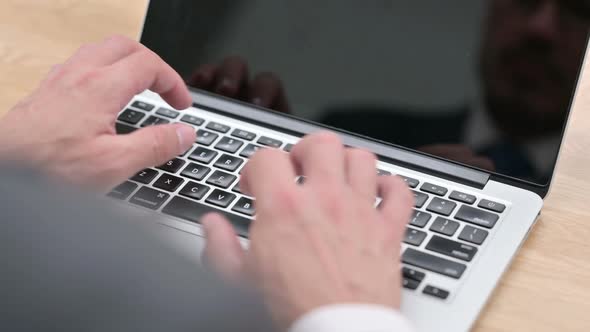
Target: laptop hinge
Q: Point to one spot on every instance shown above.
(297, 127)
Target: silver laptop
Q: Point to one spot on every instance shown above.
(468, 102)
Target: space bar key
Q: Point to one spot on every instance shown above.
(193, 211)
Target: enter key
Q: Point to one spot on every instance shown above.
(452, 248)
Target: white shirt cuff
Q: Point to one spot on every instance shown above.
(352, 318)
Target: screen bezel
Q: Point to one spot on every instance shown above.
(540, 189)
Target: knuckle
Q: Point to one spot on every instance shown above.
(89, 78)
(147, 59)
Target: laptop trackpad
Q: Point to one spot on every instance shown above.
(187, 244)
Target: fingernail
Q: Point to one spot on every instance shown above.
(186, 137)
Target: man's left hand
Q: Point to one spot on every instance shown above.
(67, 126)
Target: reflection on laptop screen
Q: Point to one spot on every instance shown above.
(483, 83)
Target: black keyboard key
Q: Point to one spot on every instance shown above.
(473, 235)
(381, 172)
(462, 197)
(477, 216)
(420, 219)
(168, 182)
(444, 226)
(143, 106)
(250, 150)
(221, 198)
(221, 179)
(193, 211)
(194, 190)
(420, 199)
(288, 147)
(149, 198)
(267, 141)
(436, 292)
(414, 237)
(492, 206)
(412, 183)
(154, 121)
(173, 165)
(191, 119)
(131, 116)
(168, 113)
(229, 163)
(433, 263)
(218, 127)
(441, 206)
(203, 155)
(146, 176)
(228, 144)
(245, 206)
(248, 136)
(451, 248)
(122, 129)
(410, 283)
(195, 171)
(206, 137)
(413, 274)
(434, 189)
(123, 190)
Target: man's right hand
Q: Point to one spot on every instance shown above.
(320, 243)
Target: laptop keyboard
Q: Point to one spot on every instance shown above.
(446, 231)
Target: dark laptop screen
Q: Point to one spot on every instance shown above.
(483, 83)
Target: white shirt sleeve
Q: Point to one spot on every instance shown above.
(352, 318)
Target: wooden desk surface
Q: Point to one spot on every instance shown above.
(546, 289)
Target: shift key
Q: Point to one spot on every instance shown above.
(451, 248)
(477, 216)
(433, 263)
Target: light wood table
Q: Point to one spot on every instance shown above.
(546, 289)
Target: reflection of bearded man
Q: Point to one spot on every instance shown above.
(530, 59)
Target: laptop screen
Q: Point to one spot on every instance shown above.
(482, 83)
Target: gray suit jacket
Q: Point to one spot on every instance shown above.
(70, 263)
